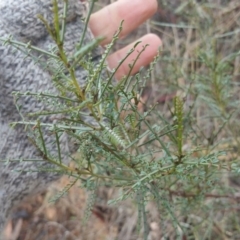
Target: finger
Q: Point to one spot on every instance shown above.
(145, 58)
(106, 21)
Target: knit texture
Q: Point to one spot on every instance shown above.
(18, 18)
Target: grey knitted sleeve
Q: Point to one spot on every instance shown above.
(18, 73)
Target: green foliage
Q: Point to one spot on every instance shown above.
(170, 157)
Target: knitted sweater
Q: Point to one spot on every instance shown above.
(18, 18)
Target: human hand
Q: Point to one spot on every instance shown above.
(22, 74)
(106, 22)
